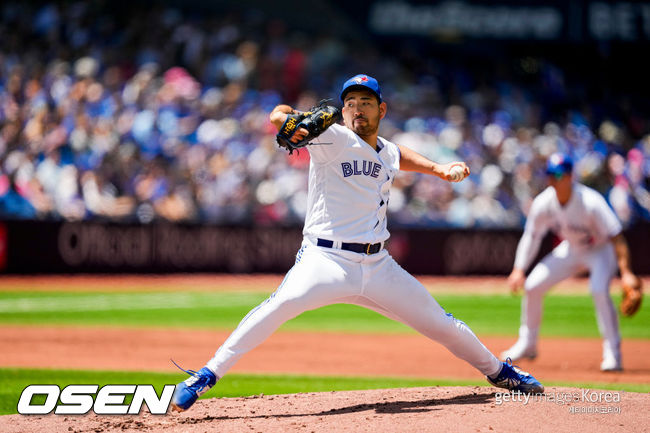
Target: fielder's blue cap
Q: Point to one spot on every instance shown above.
(559, 164)
(361, 81)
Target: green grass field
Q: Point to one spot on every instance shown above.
(565, 315)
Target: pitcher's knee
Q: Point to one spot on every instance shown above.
(290, 306)
(298, 303)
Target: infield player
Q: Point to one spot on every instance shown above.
(592, 241)
(342, 258)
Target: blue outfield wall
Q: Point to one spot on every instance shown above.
(28, 247)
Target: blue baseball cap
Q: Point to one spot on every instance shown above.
(559, 164)
(364, 81)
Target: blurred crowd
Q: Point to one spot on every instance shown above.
(159, 115)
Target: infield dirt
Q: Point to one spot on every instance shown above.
(403, 355)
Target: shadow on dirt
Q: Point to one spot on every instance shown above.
(393, 407)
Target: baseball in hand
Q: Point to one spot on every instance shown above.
(456, 174)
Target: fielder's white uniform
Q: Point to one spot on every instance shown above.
(349, 184)
(586, 224)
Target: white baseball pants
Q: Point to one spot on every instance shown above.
(560, 264)
(324, 276)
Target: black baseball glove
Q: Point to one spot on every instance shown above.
(316, 121)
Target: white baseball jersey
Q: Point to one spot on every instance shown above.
(349, 184)
(586, 222)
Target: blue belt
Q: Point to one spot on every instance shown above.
(357, 248)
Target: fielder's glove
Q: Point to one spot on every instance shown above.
(316, 121)
(632, 296)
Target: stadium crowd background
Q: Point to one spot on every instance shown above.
(156, 114)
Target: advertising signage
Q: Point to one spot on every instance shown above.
(578, 21)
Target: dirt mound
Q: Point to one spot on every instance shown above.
(458, 409)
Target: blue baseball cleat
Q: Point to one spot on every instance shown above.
(188, 391)
(515, 379)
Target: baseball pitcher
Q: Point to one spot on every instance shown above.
(342, 258)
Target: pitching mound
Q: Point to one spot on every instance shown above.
(458, 409)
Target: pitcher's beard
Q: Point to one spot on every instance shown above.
(364, 130)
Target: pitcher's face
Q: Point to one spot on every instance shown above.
(362, 112)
